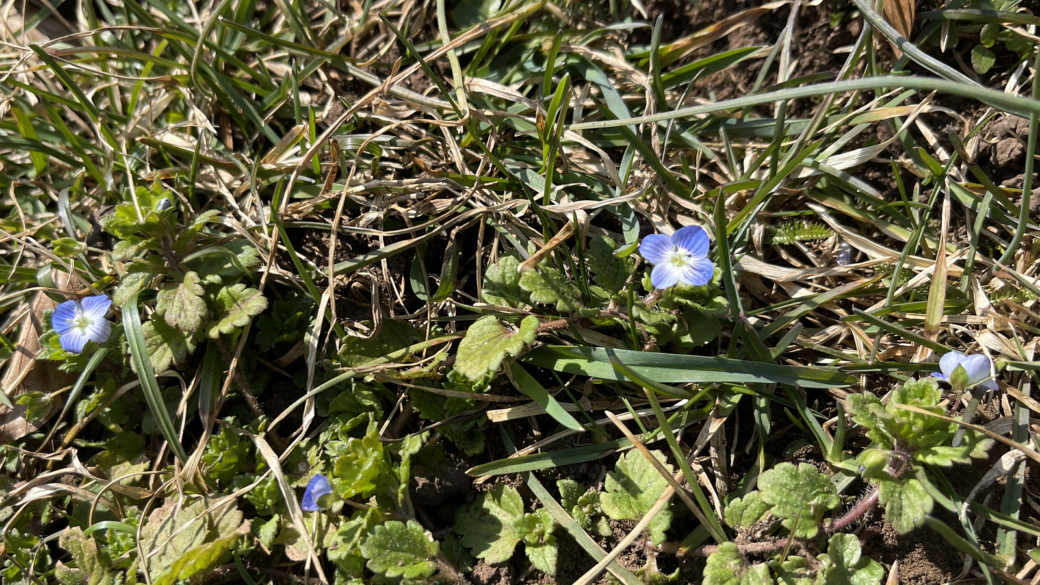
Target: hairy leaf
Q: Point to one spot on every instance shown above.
(798, 495)
(486, 525)
(845, 565)
(610, 271)
(906, 503)
(633, 488)
(166, 345)
(487, 343)
(233, 306)
(396, 549)
(181, 305)
(743, 512)
(502, 283)
(359, 468)
(726, 566)
(549, 286)
(92, 568)
(177, 534)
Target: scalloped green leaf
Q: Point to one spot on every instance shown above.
(502, 283)
(91, 568)
(487, 343)
(743, 512)
(486, 525)
(726, 566)
(610, 272)
(175, 533)
(396, 549)
(549, 286)
(166, 345)
(906, 503)
(233, 307)
(633, 488)
(844, 564)
(181, 305)
(798, 495)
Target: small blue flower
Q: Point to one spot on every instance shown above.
(974, 371)
(319, 486)
(77, 322)
(164, 204)
(682, 257)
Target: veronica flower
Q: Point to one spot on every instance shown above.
(965, 371)
(681, 257)
(319, 486)
(78, 322)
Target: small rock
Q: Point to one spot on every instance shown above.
(1008, 152)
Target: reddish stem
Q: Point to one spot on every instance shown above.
(854, 514)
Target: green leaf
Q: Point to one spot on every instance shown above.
(583, 505)
(536, 530)
(67, 247)
(677, 369)
(726, 566)
(131, 283)
(502, 283)
(906, 503)
(91, 567)
(225, 264)
(487, 343)
(548, 286)
(743, 512)
(268, 531)
(181, 304)
(201, 559)
(187, 540)
(610, 271)
(633, 488)
(845, 565)
(799, 495)
(37, 405)
(166, 345)
(233, 307)
(358, 470)
(396, 549)
(486, 525)
(982, 59)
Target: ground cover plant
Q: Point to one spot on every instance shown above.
(514, 291)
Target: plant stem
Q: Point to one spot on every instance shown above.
(854, 514)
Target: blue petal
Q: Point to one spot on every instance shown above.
(655, 248)
(940, 376)
(949, 362)
(990, 385)
(319, 486)
(99, 330)
(73, 340)
(665, 276)
(693, 239)
(698, 272)
(96, 307)
(63, 317)
(978, 368)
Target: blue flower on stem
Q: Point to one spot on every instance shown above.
(78, 322)
(681, 257)
(966, 371)
(319, 486)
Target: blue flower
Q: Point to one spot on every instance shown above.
(78, 322)
(683, 257)
(319, 486)
(965, 371)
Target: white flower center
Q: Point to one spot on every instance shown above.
(679, 257)
(81, 321)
